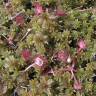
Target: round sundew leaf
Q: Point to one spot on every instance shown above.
(39, 61)
(26, 54)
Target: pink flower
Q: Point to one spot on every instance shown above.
(60, 12)
(26, 55)
(81, 44)
(38, 8)
(62, 55)
(40, 60)
(77, 85)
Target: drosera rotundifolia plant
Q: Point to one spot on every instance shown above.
(47, 48)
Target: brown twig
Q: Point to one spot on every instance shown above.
(88, 9)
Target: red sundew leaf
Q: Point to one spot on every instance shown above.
(77, 85)
(38, 8)
(19, 20)
(40, 60)
(62, 55)
(81, 44)
(26, 54)
(60, 13)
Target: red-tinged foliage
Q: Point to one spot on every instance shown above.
(81, 45)
(20, 20)
(26, 54)
(38, 8)
(62, 55)
(60, 12)
(40, 60)
(77, 85)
